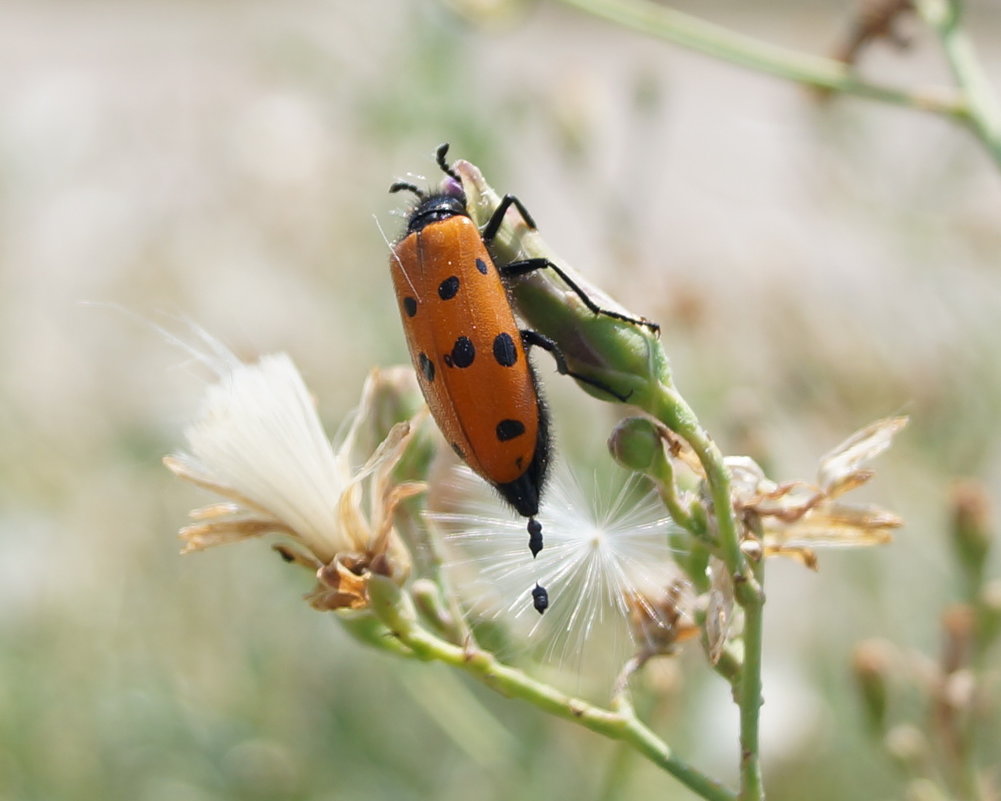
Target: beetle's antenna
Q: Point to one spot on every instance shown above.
(400, 186)
(440, 158)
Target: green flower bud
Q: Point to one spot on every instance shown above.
(871, 665)
(636, 444)
(971, 529)
(959, 623)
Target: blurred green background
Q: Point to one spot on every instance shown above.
(814, 267)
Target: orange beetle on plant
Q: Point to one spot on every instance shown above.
(469, 352)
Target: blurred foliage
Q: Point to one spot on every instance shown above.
(814, 268)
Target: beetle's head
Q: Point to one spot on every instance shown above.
(448, 201)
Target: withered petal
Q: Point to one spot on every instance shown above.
(719, 611)
(200, 536)
(805, 556)
(861, 447)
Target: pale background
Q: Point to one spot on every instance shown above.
(814, 268)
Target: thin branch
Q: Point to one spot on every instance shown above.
(749, 690)
(674, 412)
(746, 51)
(983, 109)
(396, 612)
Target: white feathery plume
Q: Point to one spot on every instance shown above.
(601, 549)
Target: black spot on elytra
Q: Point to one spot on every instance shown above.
(427, 367)
(448, 288)
(410, 306)
(509, 429)
(463, 352)
(458, 451)
(481, 266)
(504, 350)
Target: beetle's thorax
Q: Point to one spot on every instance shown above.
(436, 208)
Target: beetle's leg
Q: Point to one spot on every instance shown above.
(494, 223)
(529, 338)
(526, 266)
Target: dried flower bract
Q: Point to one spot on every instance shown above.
(794, 517)
(258, 442)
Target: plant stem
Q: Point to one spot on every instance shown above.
(713, 40)
(664, 478)
(672, 410)
(749, 688)
(617, 348)
(393, 608)
(983, 109)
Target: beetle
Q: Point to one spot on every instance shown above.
(470, 356)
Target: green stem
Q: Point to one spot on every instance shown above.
(461, 631)
(672, 410)
(730, 660)
(983, 109)
(713, 40)
(391, 606)
(616, 354)
(663, 474)
(749, 688)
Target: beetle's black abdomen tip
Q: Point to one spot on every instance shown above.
(534, 536)
(522, 494)
(540, 598)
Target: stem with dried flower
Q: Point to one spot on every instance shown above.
(668, 406)
(672, 409)
(976, 105)
(396, 611)
(629, 357)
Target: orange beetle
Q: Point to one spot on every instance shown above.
(469, 353)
